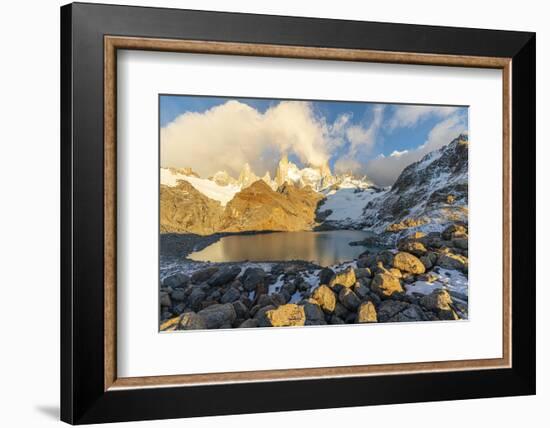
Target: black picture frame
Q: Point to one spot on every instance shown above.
(83, 398)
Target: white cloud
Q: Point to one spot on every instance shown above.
(398, 153)
(384, 170)
(361, 140)
(346, 165)
(229, 135)
(365, 139)
(407, 116)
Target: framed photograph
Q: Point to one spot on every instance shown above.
(277, 213)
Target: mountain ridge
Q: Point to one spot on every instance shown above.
(426, 195)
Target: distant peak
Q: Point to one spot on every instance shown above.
(284, 159)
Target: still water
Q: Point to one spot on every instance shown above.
(323, 248)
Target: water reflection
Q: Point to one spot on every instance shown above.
(323, 248)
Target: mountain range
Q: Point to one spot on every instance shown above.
(427, 194)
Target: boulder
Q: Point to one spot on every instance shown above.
(301, 285)
(249, 323)
(240, 309)
(450, 260)
(349, 299)
(375, 298)
(361, 273)
(340, 311)
(361, 291)
(284, 297)
(286, 316)
(203, 275)
(336, 320)
(414, 247)
(416, 235)
(179, 295)
(365, 281)
(265, 300)
(366, 313)
(345, 278)
(411, 313)
(461, 243)
(385, 285)
(170, 325)
(191, 321)
(386, 258)
(454, 231)
(166, 315)
(429, 259)
(195, 298)
(252, 278)
(231, 295)
(448, 315)
(179, 308)
(314, 314)
(389, 308)
(325, 275)
(216, 316)
(165, 299)
(175, 280)
(205, 303)
(395, 272)
(408, 263)
(437, 300)
(325, 298)
(432, 240)
(279, 299)
(289, 287)
(260, 315)
(223, 276)
(366, 261)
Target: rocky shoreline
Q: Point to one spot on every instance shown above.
(423, 278)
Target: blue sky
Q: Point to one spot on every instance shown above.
(375, 139)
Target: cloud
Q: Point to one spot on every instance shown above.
(346, 165)
(407, 116)
(229, 135)
(384, 170)
(361, 141)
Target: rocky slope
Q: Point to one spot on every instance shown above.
(427, 195)
(183, 209)
(258, 207)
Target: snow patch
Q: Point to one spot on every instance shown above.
(276, 286)
(208, 188)
(347, 203)
(422, 287)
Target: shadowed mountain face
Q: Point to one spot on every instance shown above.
(432, 189)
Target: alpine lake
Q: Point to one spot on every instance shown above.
(324, 248)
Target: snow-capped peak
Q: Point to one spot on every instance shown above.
(223, 178)
(317, 177)
(246, 177)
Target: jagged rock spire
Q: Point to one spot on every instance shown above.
(247, 176)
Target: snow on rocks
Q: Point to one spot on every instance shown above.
(209, 188)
